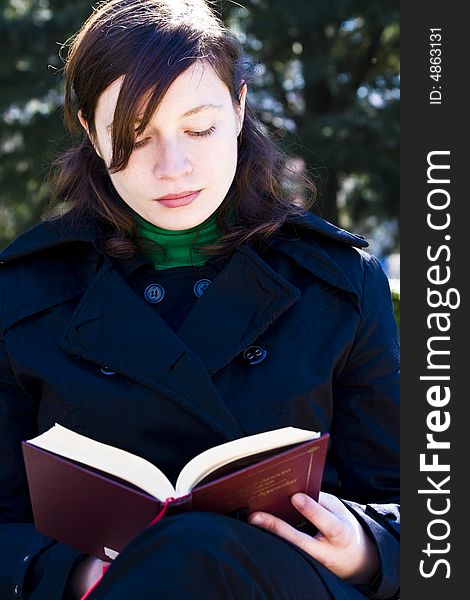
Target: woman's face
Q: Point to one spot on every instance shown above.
(190, 145)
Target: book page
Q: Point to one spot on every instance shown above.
(205, 463)
(112, 460)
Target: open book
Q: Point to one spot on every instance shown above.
(96, 497)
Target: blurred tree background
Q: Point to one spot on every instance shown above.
(326, 85)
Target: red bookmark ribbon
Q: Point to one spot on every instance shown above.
(161, 514)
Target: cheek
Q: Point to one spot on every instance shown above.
(125, 183)
(138, 170)
(220, 157)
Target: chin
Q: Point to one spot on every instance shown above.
(179, 224)
(182, 222)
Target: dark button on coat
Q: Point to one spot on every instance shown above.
(79, 347)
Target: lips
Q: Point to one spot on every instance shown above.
(181, 199)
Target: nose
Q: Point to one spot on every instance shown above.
(171, 162)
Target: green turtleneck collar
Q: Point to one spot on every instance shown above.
(181, 247)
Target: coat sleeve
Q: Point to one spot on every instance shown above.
(365, 428)
(33, 567)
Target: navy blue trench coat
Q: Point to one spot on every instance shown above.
(311, 299)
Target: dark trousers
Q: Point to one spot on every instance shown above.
(210, 557)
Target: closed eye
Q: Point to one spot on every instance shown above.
(202, 133)
(141, 143)
(205, 133)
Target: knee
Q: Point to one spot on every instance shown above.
(199, 531)
(202, 542)
(184, 554)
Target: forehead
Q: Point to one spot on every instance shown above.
(199, 84)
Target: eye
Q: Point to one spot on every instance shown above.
(202, 133)
(141, 143)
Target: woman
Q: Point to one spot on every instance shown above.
(181, 297)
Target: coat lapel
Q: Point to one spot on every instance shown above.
(315, 259)
(234, 311)
(113, 327)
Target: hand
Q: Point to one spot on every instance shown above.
(86, 574)
(341, 543)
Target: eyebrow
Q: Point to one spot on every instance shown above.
(200, 108)
(191, 111)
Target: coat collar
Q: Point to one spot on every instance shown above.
(64, 230)
(52, 234)
(313, 244)
(306, 239)
(317, 225)
(230, 316)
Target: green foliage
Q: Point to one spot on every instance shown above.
(327, 87)
(332, 68)
(31, 129)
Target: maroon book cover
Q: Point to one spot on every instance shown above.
(99, 514)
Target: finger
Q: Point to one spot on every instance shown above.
(335, 506)
(332, 503)
(316, 548)
(282, 529)
(331, 526)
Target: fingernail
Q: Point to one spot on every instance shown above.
(299, 500)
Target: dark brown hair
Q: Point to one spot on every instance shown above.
(152, 42)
